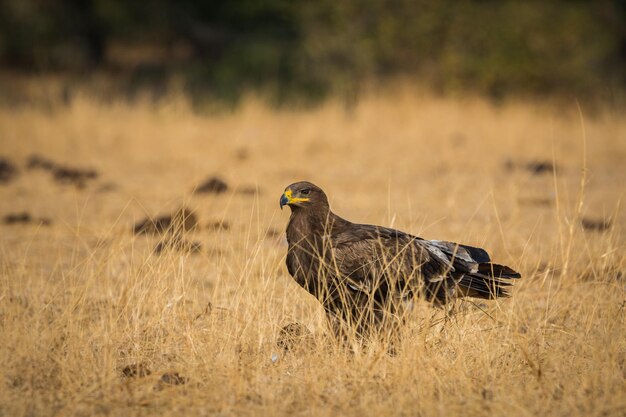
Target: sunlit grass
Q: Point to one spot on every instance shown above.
(83, 299)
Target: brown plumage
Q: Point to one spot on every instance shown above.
(365, 274)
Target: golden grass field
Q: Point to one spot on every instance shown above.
(84, 301)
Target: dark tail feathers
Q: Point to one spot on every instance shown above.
(491, 281)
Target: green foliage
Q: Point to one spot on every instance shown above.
(293, 48)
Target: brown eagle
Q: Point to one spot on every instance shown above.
(366, 275)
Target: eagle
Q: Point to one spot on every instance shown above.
(367, 276)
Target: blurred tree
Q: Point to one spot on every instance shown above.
(294, 48)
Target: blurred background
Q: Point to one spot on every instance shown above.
(144, 147)
(302, 51)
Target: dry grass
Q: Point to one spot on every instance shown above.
(87, 308)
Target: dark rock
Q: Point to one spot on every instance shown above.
(540, 167)
(39, 162)
(537, 167)
(173, 378)
(18, 218)
(25, 218)
(8, 171)
(293, 336)
(214, 185)
(74, 176)
(183, 220)
(135, 370)
(597, 225)
(62, 174)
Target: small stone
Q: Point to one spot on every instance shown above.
(540, 167)
(135, 370)
(213, 185)
(39, 162)
(178, 223)
(597, 225)
(293, 336)
(74, 176)
(8, 171)
(173, 378)
(18, 218)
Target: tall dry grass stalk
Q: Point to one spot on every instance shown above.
(87, 308)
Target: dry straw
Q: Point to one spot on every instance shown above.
(93, 321)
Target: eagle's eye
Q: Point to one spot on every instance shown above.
(306, 191)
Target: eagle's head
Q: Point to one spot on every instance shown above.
(303, 194)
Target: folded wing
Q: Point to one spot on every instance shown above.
(376, 260)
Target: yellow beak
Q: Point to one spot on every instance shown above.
(287, 198)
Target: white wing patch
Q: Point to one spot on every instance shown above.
(456, 251)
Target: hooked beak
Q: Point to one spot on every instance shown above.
(288, 198)
(283, 201)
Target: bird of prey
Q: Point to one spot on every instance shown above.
(365, 275)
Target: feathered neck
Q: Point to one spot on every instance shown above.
(308, 222)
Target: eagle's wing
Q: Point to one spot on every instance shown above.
(369, 258)
(472, 273)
